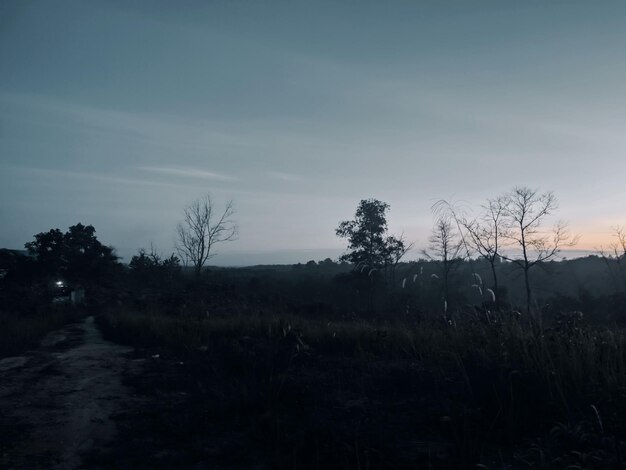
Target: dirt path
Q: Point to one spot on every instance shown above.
(57, 402)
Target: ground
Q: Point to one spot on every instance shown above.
(264, 401)
(57, 402)
(80, 401)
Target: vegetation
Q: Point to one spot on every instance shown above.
(202, 228)
(21, 332)
(526, 210)
(35, 286)
(369, 362)
(369, 245)
(76, 255)
(445, 247)
(477, 390)
(487, 233)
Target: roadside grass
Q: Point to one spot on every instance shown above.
(571, 360)
(473, 386)
(20, 332)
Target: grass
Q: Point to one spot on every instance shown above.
(20, 332)
(473, 387)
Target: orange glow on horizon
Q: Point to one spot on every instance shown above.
(593, 237)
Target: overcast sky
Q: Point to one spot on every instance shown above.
(118, 113)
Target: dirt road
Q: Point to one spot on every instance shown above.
(57, 402)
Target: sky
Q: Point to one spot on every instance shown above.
(119, 113)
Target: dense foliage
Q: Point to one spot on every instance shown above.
(76, 255)
(368, 241)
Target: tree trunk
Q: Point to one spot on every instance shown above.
(495, 286)
(528, 290)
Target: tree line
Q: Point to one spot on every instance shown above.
(513, 227)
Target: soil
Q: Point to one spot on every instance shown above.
(57, 402)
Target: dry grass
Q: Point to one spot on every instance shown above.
(21, 332)
(500, 380)
(569, 361)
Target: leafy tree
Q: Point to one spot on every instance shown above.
(17, 273)
(76, 255)
(149, 268)
(50, 252)
(368, 242)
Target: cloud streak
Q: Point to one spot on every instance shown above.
(105, 178)
(187, 172)
(279, 175)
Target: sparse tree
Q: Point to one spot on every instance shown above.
(397, 247)
(487, 234)
(445, 247)
(615, 254)
(526, 211)
(202, 228)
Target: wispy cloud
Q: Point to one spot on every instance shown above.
(157, 129)
(188, 173)
(87, 176)
(279, 175)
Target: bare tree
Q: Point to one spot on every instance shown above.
(445, 247)
(487, 234)
(526, 211)
(396, 248)
(202, 228)
(615, 254)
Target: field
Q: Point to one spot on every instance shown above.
(324, 366)
(295, 392)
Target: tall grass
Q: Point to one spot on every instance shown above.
(569, 363)
(501, 379)
(19, 332)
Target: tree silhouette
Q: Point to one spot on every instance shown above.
(487, 234)
(445, 247)
(77, 255)
(526, 211)
(49, 249)
(615, 254)
(368, 241)
(202, 228)
(150, 268)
